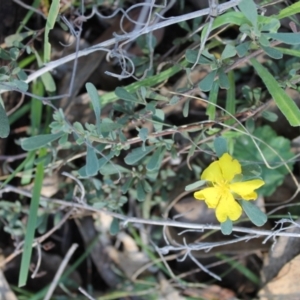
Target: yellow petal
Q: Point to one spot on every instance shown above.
(211, 195)
(229, 167)
(246, 189)
(213, 173)
(228, 208)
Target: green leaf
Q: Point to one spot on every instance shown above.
(39, 141)
(271, 26)
(245, 150)
(51, 18)
(126, 186)
(146, 186)
(14, 84)
(92, 164)
(195, 185)
(149, 81)
(14, 53)
(4, 55)
(31, 224)
(110, 169)
(17, 37)
(47, 78)
(137, 154)
(264, 41)
(251, 171)
(4, 123)
(243, 48)
(140, 193)
(108, 126)
(272, 52)
(287, 38)
(256, 216)
(223, 80)
(236, 18)
(114, 227)
(156, 159)
(292, 52)
(220, 145)
(283, 101)
(213, 97)
(207, 82)
(143, 134)
(196, 139)
(248, 8)
(155, 96)
(124, 95)
(93, 93)
(192, 55)
(289, 11)
(158, 118)
(229, 51)
(270, 116)
(231, 98)
(186, 107)
(226, 227)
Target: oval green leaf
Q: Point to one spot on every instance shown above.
(39, 141)
(92, 164)
(256, 216)
(4, 124)
(137, 154)
(226, 227)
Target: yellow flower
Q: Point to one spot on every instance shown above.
(221, 191)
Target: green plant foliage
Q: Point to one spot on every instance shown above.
(207, 82)
(32, 220)
(256, 216)
(195, 185)
(158, 132)
(137, 154)
(37, 142)
(140, 192)
(93, 94)
(270, 116)
(156, 159)
(114, 226)
(4, 124)
(248, 8)
(92, 164)
(226, 227)
(272, 52)
(289, 11)
(287, 38)
(220, 145)
(251, 171)
(246, 151)
(229, 51)
(125, 95)
(53, 13)
(283, 101)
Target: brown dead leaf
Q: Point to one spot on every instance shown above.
(211, 292)
(130, 259)
(168, 292)
(284, 251)
(285, 285)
